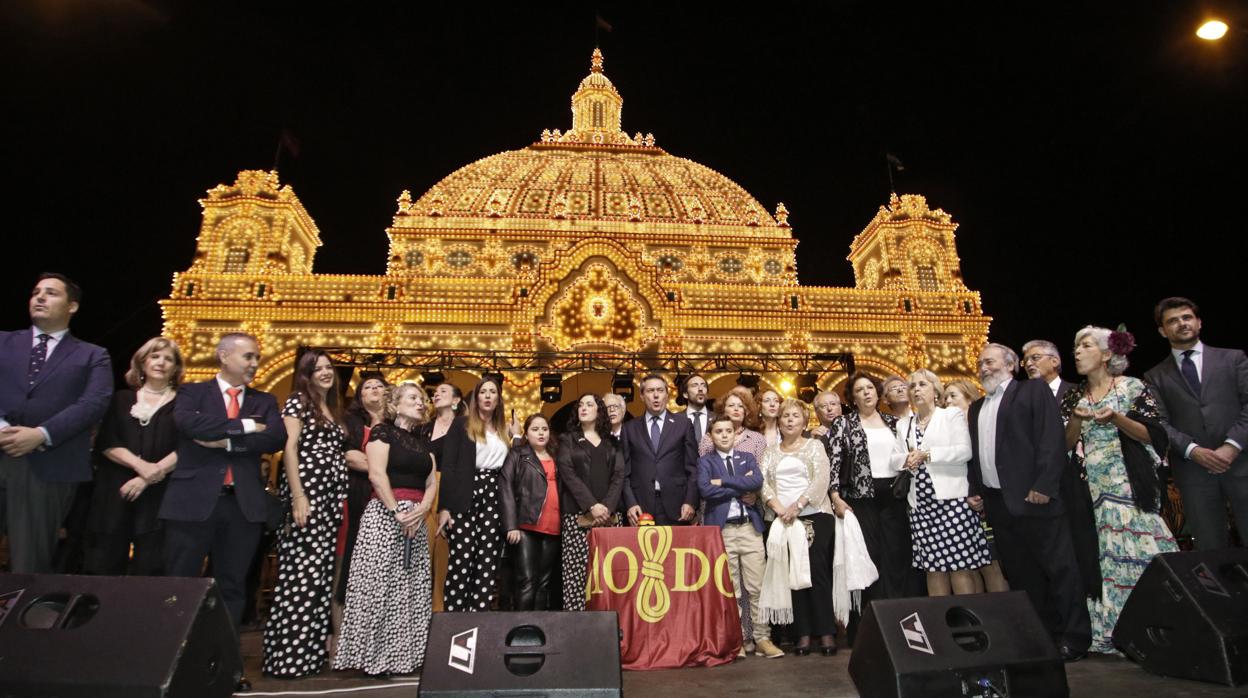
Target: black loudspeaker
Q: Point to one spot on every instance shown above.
(128, 637)
(1188, 616)
(970, 645)
(523, 653)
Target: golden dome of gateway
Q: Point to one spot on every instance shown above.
(594, 171)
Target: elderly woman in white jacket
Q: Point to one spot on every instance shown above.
(934, 443)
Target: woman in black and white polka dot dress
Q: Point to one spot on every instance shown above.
(389, 593)
(470, 516)
(314, 483)
(934, 443)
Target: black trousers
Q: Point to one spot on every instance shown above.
(886, 531)
(359, 491)
(812, 608)
(228, 538)
(1038, 557)
(534, 559)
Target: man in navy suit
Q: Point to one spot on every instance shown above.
(725, 477)
(214, 503)
(1019, 453)
(53, 390)
(662, 458)
(1203, 393)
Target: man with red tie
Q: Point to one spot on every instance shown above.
(214, 504)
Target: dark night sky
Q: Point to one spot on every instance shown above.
(1091, 156)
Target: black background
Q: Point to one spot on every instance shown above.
(1092, 155)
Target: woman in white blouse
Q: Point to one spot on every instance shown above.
(795, 489)
(934, 444)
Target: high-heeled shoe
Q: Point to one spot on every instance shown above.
(802, 650)
(827, 646)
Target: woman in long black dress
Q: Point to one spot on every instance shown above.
(389, 595)
(315, 483)
(138, 443)
(469, 514)
(591, 479)
(448, 403)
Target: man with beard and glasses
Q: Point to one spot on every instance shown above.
(1019, 455)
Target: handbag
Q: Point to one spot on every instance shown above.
(901, 484)
(276, 511)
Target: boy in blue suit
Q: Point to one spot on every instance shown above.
(724, 477)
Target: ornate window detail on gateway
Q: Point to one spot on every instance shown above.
(236, 260)
(927, 278)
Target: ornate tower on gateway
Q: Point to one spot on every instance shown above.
(587, 240)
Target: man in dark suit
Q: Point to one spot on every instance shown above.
(662, 458)
(1018, 457)
(694, 392)
(53, 391)
(214, 503)
(1043, 362)
(1203, 394)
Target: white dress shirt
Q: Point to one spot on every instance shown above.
(249, 425)
(734, 507)
(55, 339)
(988, 435)
(1198, 358)
(1055, 385)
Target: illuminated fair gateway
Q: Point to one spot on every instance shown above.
(587, 242)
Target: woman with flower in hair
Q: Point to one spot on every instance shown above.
(1114, 427)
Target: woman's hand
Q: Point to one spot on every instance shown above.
(600, 513)
(914, 459)
(790, 513)
(445, 521)
(976, 503)
(300, 509)
(839, 507)
(1082, 411)
(133, 488)
(513, 537)
(1104, 415)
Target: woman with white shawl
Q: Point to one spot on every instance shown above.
(797, 584)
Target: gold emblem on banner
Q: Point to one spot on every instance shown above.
(654, 598)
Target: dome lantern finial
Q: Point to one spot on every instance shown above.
(595, 61)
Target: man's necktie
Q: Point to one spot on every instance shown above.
(231, 411)
(1189, 371)
(728, 466)
(697, 425)
(654, 432)
(38, 356)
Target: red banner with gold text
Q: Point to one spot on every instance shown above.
(671, 588)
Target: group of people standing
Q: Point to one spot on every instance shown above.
(1038, 484)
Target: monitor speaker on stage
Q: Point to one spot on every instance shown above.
(523, 653)
(969, 645)
(1188, 617)
(106, 637)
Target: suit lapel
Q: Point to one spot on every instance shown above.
(20, 345)
(1171, 370)
(668, 432)
(1208, 369)
(64, 348)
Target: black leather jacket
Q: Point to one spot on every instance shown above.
(522, 488)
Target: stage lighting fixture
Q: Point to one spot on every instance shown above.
(807, 386)
(1212, 30)
(749, 380)
(494, 376)
(552, 387)
(622, 385)
(432, 379)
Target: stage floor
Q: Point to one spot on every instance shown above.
(789, 676)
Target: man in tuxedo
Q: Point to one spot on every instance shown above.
(1019, 453)
(662, 461)
(1043, 362)
(214, 503)
(697, 413)
(54, 390)
(1203, 394)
